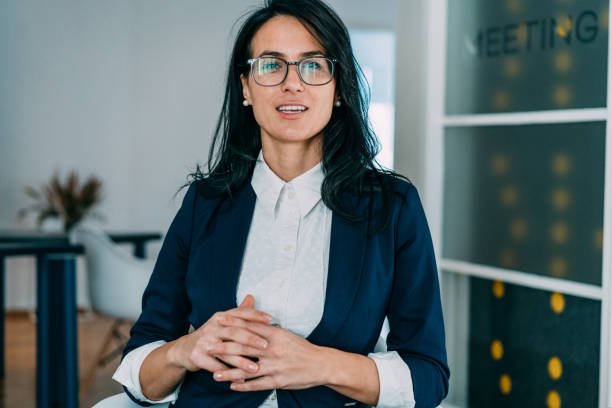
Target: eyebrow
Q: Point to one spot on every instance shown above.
(280, 54)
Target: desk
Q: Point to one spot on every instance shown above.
(56, 333)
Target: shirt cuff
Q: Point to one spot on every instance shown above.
(395, 381)
(128, 373)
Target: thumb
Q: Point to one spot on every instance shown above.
(248, 302)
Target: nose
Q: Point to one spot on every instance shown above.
(292, 82)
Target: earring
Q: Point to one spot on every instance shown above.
(245, 103)
(338, 104)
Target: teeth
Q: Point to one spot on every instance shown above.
(292, 108)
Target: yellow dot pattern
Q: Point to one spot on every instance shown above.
(564, 26)
(555, 368)
(559, 232)
(507, 258)
(508, 196)
(505, 384)
(557, 267)
(562, 95)
(557, 302)
(561, 164)
(598, 239)
(518, 229)
(497, 350)
(499, 164)
(511, 67)
(563, 61)
(498, 289)
(553, 400)
(500, 99)
(560, 199)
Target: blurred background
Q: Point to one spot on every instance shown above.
(496, 110)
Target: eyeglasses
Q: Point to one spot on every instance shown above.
(272, 71)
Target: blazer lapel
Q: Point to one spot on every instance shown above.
(346, 257)
(228, 246)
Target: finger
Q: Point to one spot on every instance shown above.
(233, 374)
(265, 382)
(248, 302)
(239, 362)
(262, 329)
(243, 336)
(232, 348)
(247, 314)
(208, 363)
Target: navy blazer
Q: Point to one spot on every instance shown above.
(371, 275)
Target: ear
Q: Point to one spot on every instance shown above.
(245, 88)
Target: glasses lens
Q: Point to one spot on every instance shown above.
(316, 70)
(269, 71)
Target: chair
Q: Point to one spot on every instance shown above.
(116, 283)
(122, 401)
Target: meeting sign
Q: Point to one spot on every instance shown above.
(516, 55)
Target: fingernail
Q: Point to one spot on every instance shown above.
(218, 375)
(252, 367)
(262, 344)
(268, 317)
(210, 347)
(232, 386)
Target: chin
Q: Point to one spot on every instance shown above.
(294, 135)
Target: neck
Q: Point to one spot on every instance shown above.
(289, 160)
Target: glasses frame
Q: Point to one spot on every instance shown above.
(297, 64)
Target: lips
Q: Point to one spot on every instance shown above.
(292, 108)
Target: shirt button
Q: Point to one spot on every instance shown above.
(273, 396)
(291, 194)
(288, 248)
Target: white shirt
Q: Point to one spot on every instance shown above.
(285, 268)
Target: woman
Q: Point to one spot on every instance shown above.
(294, 222)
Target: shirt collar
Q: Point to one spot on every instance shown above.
(268, 186)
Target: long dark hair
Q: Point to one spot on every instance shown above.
(349, 144)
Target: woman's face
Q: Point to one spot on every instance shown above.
(286, 37)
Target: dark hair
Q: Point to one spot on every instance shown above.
(349, 144)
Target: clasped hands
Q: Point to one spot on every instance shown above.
(284, 360)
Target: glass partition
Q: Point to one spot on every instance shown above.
(518, 55)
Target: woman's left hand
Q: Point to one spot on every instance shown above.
(288, 362)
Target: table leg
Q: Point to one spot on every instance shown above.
(43, 334)
(2, 317)
(139, 249)
(58, 372)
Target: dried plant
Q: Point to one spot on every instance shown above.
(69, 201)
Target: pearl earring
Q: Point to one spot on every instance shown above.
(338, 104)
(245, 103)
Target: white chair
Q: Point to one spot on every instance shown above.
(122, 401)
(116, 283)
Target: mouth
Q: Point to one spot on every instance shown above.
(292, 109)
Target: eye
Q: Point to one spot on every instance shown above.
(311, 66)
(269, 66)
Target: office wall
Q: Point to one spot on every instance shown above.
(126, 90)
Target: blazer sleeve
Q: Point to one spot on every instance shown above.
(415, 311)
(165, 306)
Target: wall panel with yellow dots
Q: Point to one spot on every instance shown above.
(527, 198)
(518, 146)
(531, 348)
(520, 55)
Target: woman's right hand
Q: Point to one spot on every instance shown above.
(191, 351)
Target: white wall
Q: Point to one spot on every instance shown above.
(121, 89)
(410, 84)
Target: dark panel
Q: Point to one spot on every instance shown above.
(519, 55)
(550, 346)
(527, 198)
